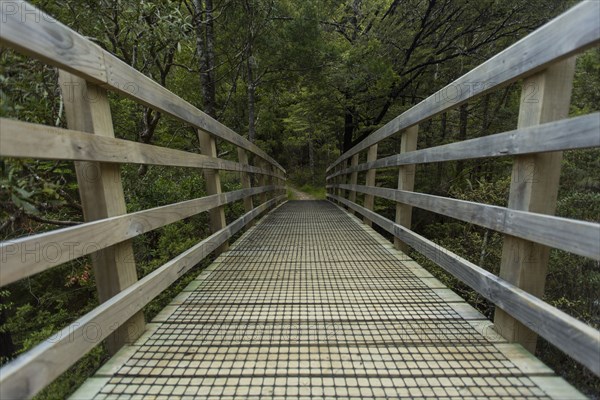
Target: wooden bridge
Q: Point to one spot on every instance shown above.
(310, 301)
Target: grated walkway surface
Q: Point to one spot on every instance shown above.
(310, 303)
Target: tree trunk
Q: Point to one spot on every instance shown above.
(251, 96)
(205, 48)
(349, 126)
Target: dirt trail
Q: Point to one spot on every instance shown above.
(298, 195)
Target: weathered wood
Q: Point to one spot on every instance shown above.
(32, 371)
(370, 181)
(262, 181)
(578, 340)
(568, 134)
(353, 178)
(570, 33)
(208, 147)
(50, 41)
(534, 188)
(245, 179)
(62, 245)
(27, 140)
(578, 237)
(101, 193)
(406, 182)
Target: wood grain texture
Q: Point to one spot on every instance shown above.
(534, 187)
(406, 182)
(568, 134)
(52, 42)
(32, 371)
(208, 146)
(26, 140)
(370, 181)
(62, 245)
(578, 340)
(101, 195)
(570, 33)
(246, 179)
(353, 178)
(578, 237)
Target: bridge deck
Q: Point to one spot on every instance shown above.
(312, 303)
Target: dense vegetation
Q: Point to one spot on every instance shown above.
(305, 80)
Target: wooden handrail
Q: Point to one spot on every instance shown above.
(577, 237)
(32, 371)
(527, 222)
(568, 134)
(26, 140)
(570, 33)
(572, 336)
(76, 241)
(54, 43)
(90, 143)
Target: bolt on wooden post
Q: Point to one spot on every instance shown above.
(87, 109)
(208, 147)
(545, 97)
(406, 181)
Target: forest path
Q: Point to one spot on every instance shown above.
(299, 195)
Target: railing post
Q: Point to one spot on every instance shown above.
(246, 182)
(101, 190)
(208, 147)
(340, 180)
(353, 180)
(370, 181)
(545, 97)
(406, 181)
(262, 181)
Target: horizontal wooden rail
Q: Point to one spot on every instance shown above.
(569, 134)
(32, 371)
(570, 33)
(578, 237)
(50, 41)
(26, 140)
(33, 254)
(570, 335)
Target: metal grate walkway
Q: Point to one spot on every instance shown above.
(311, 303)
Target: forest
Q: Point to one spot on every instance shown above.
(304, 80)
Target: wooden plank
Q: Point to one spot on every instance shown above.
(576, 339)
(208, 147)
(245, 179)
(59, 246)
(534, 188)
(370, 181)
(406, 182)
(32, 371)
(353, 178)
(568, 134)
(578, 237)
(50, 41)
(262, 181)
(558, 388)
(102, 197)
(570, 33)
(26, 140)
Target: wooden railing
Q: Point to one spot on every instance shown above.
(86, 73)
(545, 60)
